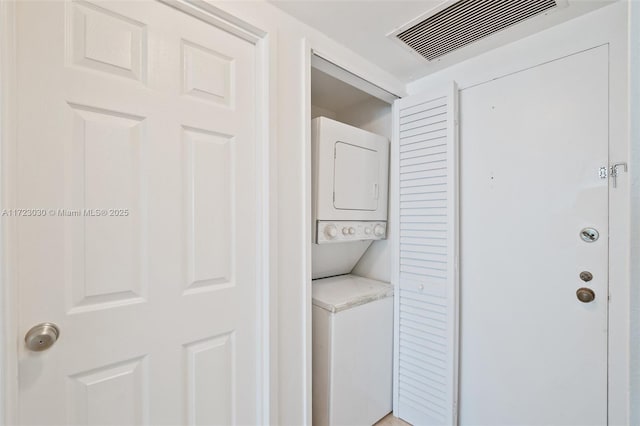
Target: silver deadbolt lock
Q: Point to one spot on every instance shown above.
(589, 235)
(42, 336)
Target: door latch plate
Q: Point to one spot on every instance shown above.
(603, 172)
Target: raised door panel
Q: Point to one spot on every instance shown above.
(105, 207)
(207, 74)
(210, 381)
(115, 394)
(105, 41)
(209, 187)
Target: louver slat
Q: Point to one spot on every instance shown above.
(467, 21)
(425, 376)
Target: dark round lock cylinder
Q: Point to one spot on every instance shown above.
(586, 276)
(585, 295)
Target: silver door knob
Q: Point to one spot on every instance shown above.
(585, 295)
(42, 336)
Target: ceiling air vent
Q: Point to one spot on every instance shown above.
(466, 21)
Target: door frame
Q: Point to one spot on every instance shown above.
(265, 218)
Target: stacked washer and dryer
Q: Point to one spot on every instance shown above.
(352, 315)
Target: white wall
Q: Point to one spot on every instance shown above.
(634, 174)
(289, 42)
(372, 115)
(604, 26)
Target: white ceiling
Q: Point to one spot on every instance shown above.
(363, 27)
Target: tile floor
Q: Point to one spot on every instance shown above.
(389, 420)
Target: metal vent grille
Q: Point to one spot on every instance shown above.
(467, 21)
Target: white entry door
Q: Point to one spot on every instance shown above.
(137, 140)
(531, 147)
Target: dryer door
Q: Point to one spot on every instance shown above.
(355, 182)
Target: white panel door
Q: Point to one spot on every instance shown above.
(532, 144)
(426, 314)
(136, 137)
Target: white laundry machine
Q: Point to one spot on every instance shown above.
(352, 316)
(350, 192)
(352, 350)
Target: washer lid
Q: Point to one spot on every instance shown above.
(336, 294)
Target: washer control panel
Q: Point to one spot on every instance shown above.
(340, 231)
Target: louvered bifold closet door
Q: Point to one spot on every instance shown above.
(426, 254)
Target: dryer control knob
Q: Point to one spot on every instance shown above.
(378, 230)
(331, 231)
(345, 230)
(352, 230)
(367, 230)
